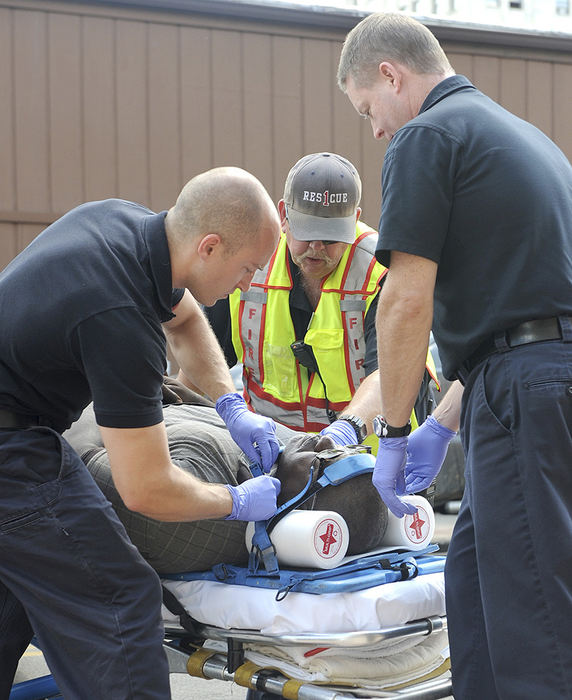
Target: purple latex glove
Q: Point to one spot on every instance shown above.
(426, 450)
(253, 433)
(254, 499)
(389, 475)
(341, 432)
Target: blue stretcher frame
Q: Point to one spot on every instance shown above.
(35, 689)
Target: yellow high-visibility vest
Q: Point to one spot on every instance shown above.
(275, 384)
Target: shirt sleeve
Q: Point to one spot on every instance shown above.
(176, 296)
(123, 354)
(418, 181)
(370, 363)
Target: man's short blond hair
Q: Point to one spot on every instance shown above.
(228, 201)
(389, 37)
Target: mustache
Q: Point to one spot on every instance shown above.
(316, 256)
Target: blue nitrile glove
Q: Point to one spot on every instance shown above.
(426, 450)
(253, 433)
(341, 432)
(389, 475)
(254, 499)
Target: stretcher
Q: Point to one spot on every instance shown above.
(373, 627)
(404, 658)
(385, 641)
(388, 640)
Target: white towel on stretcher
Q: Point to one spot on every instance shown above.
(382, 666)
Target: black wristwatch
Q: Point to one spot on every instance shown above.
(358, 424)
(383, 430)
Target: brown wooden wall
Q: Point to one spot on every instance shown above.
(102, 101)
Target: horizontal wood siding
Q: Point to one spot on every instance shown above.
(101, 101)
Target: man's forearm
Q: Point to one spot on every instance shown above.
(180, 497)
(403, 322)
(366, 403)
(200, 357)
(149, 483)
(448, 411)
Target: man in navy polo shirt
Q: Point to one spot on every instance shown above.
(86, 310)
(476, 228)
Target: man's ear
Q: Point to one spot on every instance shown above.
(389, 73)
(208, 245)
(282, 213)
(358, 214)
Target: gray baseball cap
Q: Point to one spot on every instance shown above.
(322, 193)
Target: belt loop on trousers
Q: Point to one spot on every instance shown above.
(501, 342)
(462, 374)
(566, 328)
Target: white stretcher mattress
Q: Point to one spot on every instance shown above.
(231, 606)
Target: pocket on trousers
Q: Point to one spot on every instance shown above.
(499, 408)
(20, 521)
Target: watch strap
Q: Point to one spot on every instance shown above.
(358, 424)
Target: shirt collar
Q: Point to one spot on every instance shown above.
(159, 262)
(444, 89)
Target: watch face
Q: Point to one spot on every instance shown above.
(378, 426)
(383, 430)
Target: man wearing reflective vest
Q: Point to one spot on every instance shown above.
(305, 331)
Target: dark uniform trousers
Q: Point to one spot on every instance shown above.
(508, 576)
(70, 576)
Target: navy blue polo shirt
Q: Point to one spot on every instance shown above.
(488, 197)
(81, 311)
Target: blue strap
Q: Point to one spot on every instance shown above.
(365, 573)
(262, 549)
(346, 468)
(261, 546)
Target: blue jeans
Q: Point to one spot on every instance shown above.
(69, 573)
(508, 576)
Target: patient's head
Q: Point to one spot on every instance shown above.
(356, 500)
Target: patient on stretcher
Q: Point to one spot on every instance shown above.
(200, 443)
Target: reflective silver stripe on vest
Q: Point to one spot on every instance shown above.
(293, 418)
(353, 307)
(251, 320)
(258, 296)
